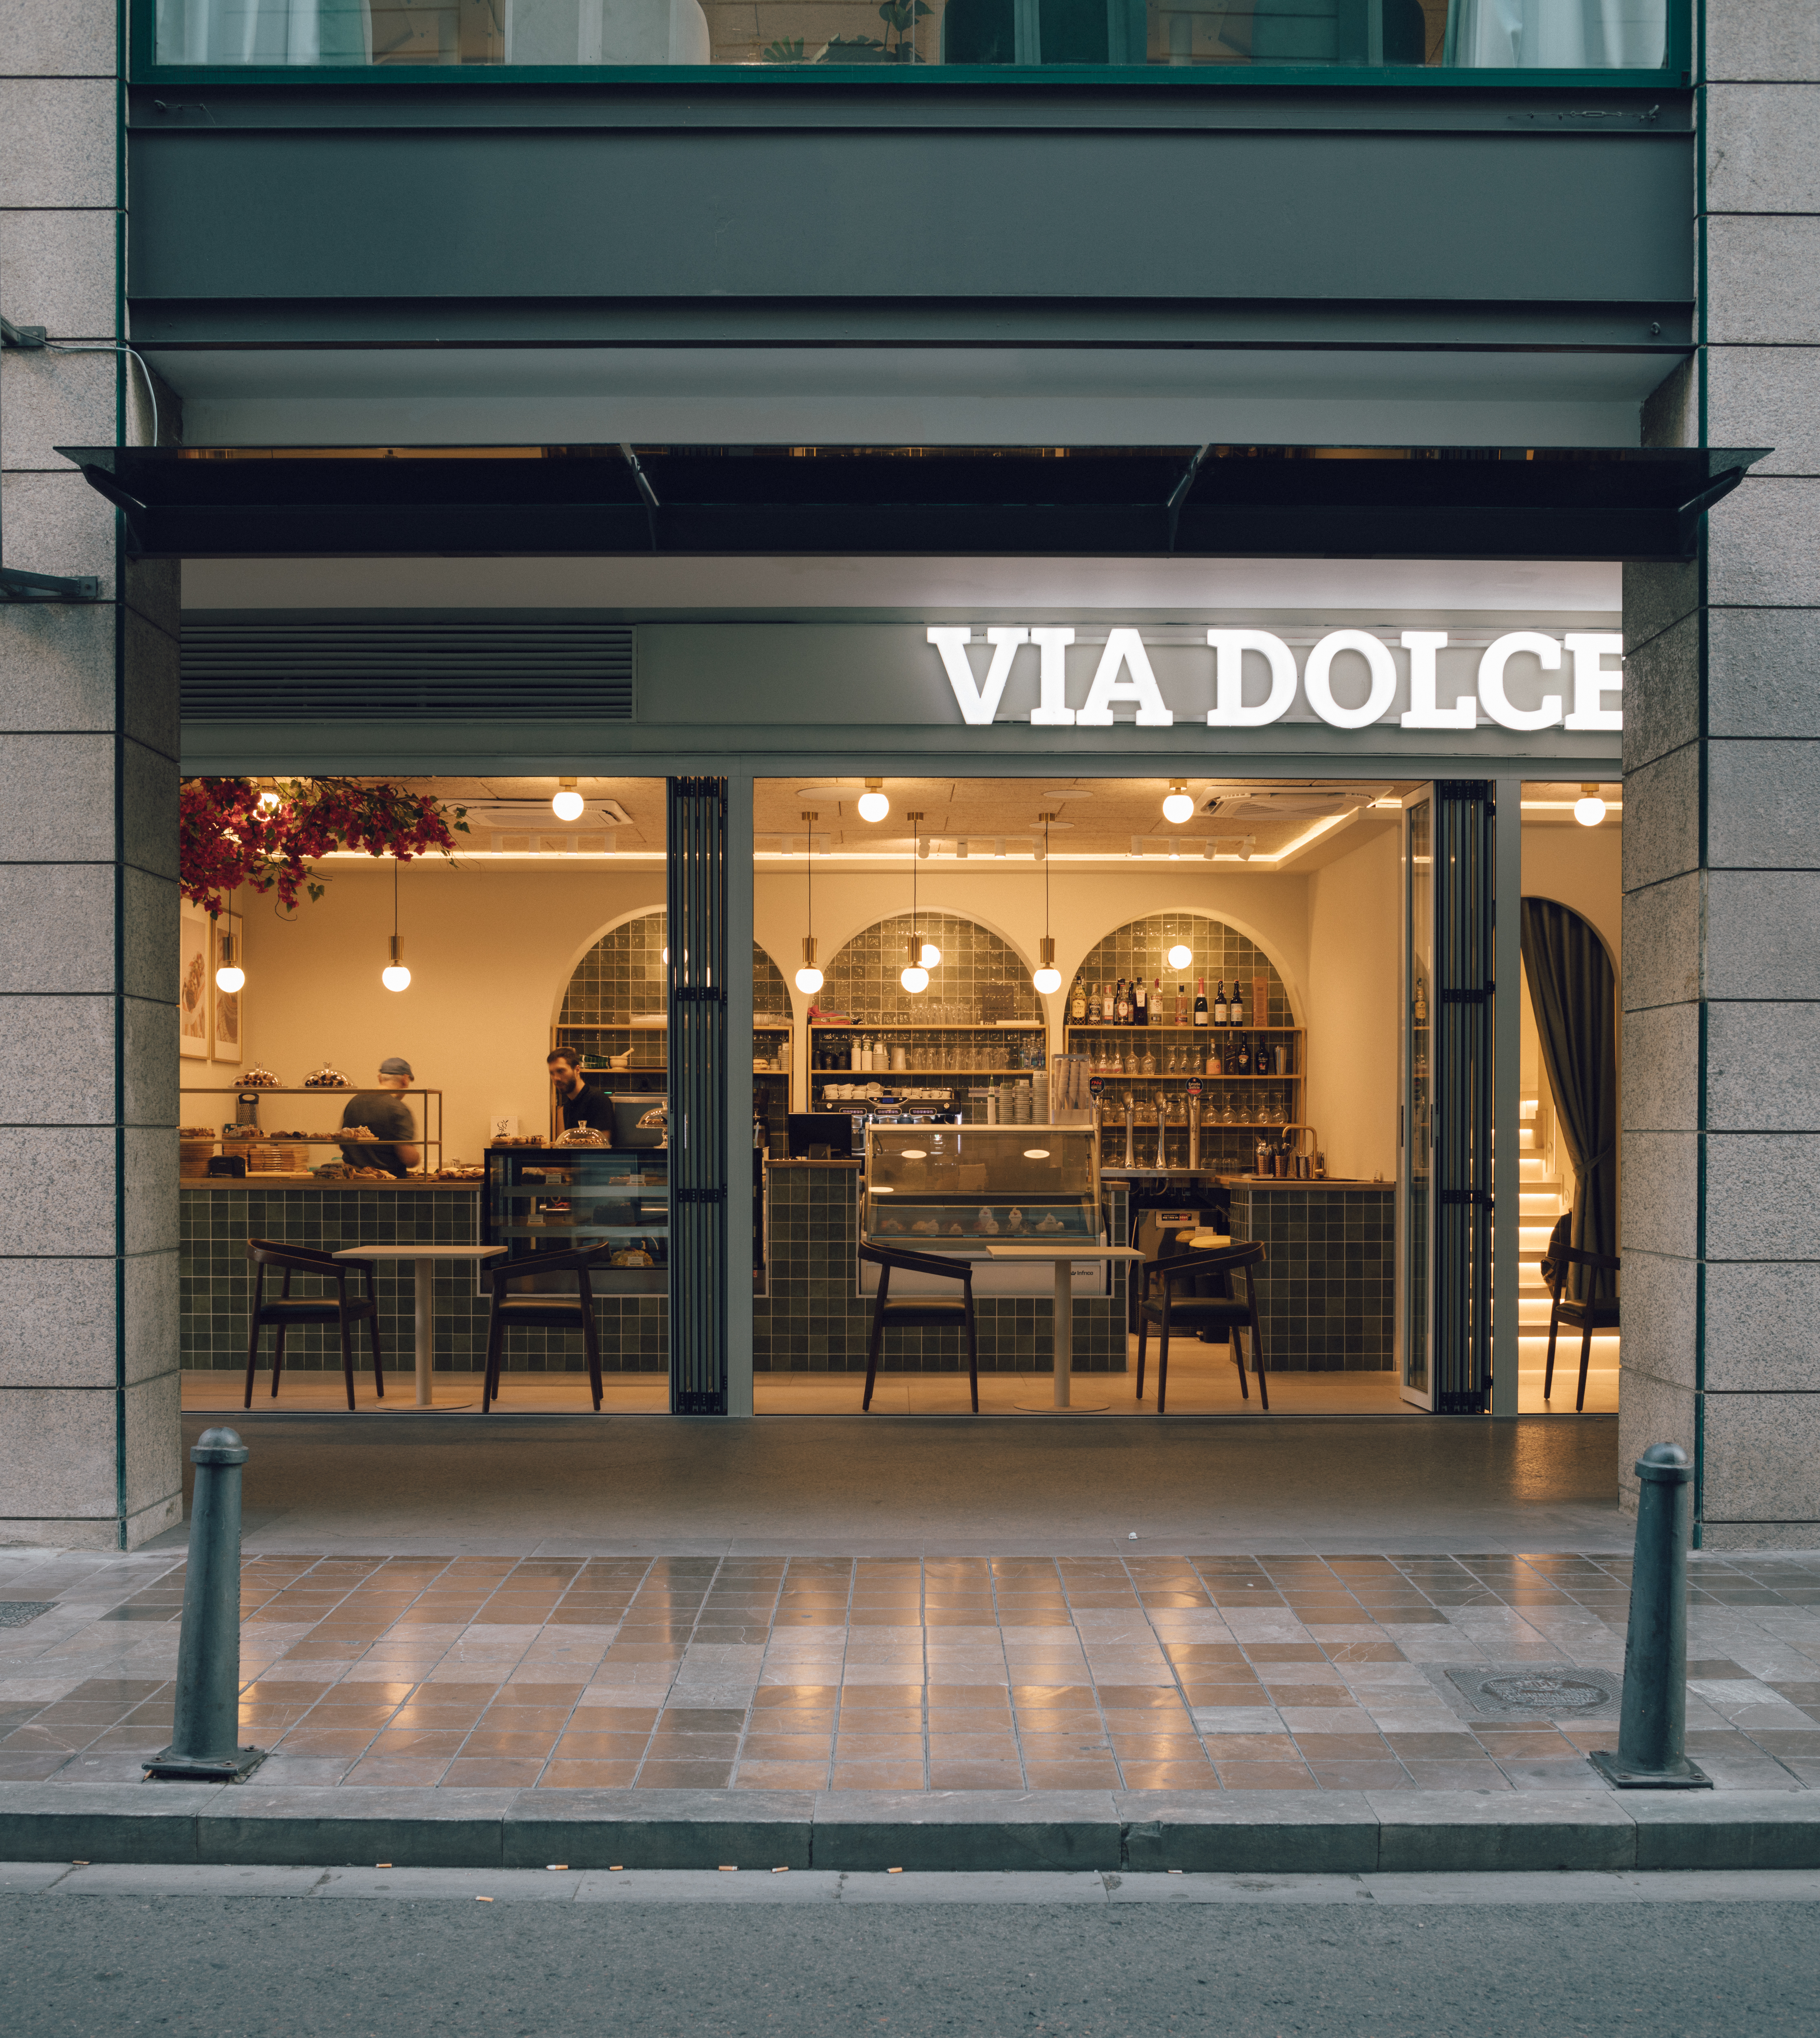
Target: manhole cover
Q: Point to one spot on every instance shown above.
(1531, 1690)
(1544, 1695)
(15, 1612)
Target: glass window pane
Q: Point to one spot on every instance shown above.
(1476, 35)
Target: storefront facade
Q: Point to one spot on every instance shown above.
(1579, 326)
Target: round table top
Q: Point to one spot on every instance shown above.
(418, 1251)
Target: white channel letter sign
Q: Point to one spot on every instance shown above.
(1350, 678)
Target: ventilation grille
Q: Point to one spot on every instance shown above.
(377, 672)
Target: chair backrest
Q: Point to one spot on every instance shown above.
(1555, 1259)
(276, 1252)
(582, 1261)
(941, 1264)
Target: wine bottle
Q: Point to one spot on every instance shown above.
(1078, 1002)
(1200, 1001)
(1235, 1009)
(1219, 1003)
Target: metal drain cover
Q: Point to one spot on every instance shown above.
(1535, 1691)
(15, 1612)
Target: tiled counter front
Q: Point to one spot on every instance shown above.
(1329, 1294)
(813, 1322)
(216, 1283)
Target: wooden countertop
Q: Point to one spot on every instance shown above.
(1320, 1182)
(263, 1181)
(849, 1162)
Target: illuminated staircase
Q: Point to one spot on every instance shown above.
(1543, 1198)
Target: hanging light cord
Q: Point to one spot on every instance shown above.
(394, 901)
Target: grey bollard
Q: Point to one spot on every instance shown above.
(1652, 1719)
(204, 1748)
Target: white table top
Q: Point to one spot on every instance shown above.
(418, 1251)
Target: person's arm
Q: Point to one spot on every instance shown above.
(405, 1130)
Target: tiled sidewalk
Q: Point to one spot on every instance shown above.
(1080, 1673)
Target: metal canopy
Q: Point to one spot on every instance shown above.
(1227, 501)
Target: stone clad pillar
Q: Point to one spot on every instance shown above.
(90, 1437)
(1721, 1182)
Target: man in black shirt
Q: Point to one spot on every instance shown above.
(387, 1116)
(579, 1102)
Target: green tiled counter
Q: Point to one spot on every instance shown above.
(814, 1322)
(1327, 1297)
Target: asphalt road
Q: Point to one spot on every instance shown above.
(1511, 1957)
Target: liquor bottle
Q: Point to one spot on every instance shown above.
(1181, 1005)
(1092, 1005)
(1140, 1003)
(1245, 1054)
(1078, 1002)
(1158, 1010)
(1235, 1009)
(1122, 1004)
(1219, 1003)
(1200, 1001)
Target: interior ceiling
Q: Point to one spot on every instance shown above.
(1098, 817)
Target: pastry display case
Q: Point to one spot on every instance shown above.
(555, 1198)
(948, 1188)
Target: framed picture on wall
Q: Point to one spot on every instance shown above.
(195, 982)
(228, 1017)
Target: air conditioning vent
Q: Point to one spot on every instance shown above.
(383, 672)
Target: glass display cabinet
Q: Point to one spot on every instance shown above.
(951, 1189)
(556, 1197)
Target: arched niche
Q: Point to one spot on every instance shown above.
(622, 976)
(1222, 954)
(979, 970)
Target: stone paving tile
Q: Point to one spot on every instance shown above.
(1219, 1673)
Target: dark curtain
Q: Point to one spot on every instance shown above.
(1575, 998)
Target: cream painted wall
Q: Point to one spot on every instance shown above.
(1579, 867)
(1355, 950)
(490, 949)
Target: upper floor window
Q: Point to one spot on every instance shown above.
(1473, 35)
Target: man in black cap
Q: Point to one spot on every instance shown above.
(579, 1102)
(387, 1116)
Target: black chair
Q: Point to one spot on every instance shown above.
(924, 1313)
(542, 1311)
(1218, 1314)
(284, 1309)
(1595, 1313)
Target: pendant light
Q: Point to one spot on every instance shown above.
(229, 976)
(874, 806)
(568, 805)
(395, 976)
(1180, 955)
(1179, 807)
(1046, 977)
(914, 976)
(809, 978)
(1589, 809)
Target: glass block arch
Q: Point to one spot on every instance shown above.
(979, 969)
(1141, 947)
(622, 976)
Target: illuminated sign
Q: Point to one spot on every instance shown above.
(1349, 679)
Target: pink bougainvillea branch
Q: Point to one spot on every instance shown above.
(233, 832)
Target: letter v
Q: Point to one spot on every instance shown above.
(978, 703)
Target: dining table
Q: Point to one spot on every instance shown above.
(424, 1258)
(1065, 1259)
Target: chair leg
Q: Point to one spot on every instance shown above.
(1586, 1360)
(252, 1360)
(1554, 1326)
(277, 1358)
(489, 1379)
(1239, 1360)
(346, 1354)
(591, 1342)
(1257, 1345)
(1162, 1361)
(973, 1351)
(1143, 1338)
(873, 1346)
(378, 1361)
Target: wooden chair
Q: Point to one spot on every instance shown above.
(542, 1311)
(1201, 1313)
(1596, 1312)
(284, 1309)
(922, 1313)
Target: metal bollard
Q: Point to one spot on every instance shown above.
(1652, 1719)
(204, 1748)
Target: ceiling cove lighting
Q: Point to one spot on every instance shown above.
(395, 976)
(874, 806)
(1179, 806)
(1046, 977)
(915, 976)
(1589, 809)
(809, 978)
(568, 805)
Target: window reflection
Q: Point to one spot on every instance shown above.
(1478, 35)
